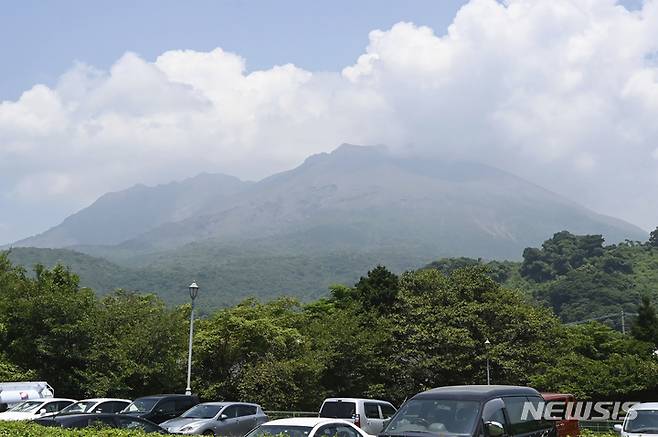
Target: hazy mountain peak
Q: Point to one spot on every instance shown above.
(353, 198)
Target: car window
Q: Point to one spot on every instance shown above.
(117, 406)
(642, 421)
(79, 407)
(336, 430)
(246, 410)
(110, 407)
(50, 407)
(371, 410)
(167, 406)
(435, 416)
(338, 410)
(387, 410)
(184, 404)
(493, 411)
(130, 423)
(141, 405)
(63, 404)
(519, 424)
(280, 430)
(202, 411)
(231, 411)
(27, 406)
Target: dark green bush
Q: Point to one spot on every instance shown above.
(26, 429)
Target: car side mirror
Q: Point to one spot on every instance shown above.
(617, 428)
(42, 411)
(494, 429)
(223, 417)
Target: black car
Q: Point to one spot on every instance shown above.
(158, 408)
(471, 410)
(104, 420)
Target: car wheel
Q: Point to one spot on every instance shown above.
(209, 432)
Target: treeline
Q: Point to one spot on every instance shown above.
(387, 336)
(578, 276)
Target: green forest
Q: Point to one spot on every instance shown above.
(388, 336)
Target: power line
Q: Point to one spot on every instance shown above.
(622, 314)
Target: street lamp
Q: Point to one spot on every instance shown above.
(487, 347)
(194, 290)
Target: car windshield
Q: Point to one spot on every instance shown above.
(338, 410)
(278, 430)
(435, 416)
(645, 421)
(27, 406)
(141, 405)
(78, 407)
(202, 411)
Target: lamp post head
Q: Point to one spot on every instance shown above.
(487, 343)
(194, 290)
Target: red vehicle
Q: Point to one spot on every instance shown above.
(568, 426)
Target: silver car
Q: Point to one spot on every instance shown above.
(218, 418)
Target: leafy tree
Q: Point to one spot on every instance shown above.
(237, 348)
(377, 290)
(595, 361)
(441, 324)
(653, 238)
(559, 255)
(9, 372)
(587, 292)
(46, 320)
(449, 265)
(645, 327)
(138, 347)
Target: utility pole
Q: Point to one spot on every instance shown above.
(623, 322)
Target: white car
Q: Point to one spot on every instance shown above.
(96, 405)
(308, 427)
(36, 408)
(641, 419)
(367, 414)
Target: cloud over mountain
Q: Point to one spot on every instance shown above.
(562, 92)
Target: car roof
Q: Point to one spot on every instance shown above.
(223, 403)
(355, 400)
(645, 406)
(476, 392)
(166, 396)
(304, 421)
(557, 396)
(104, 400)
(52, 399)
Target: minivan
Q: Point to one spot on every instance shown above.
(641, 419)
(158, 408)
(367, 414)
(471, 410)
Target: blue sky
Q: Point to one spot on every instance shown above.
(40, 40)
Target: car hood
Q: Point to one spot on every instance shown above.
(176, 424)
(9, 415)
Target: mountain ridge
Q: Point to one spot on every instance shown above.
(330, 218)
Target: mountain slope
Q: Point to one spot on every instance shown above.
(361, 198)
(119, 216)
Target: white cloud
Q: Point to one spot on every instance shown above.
(563, 92)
